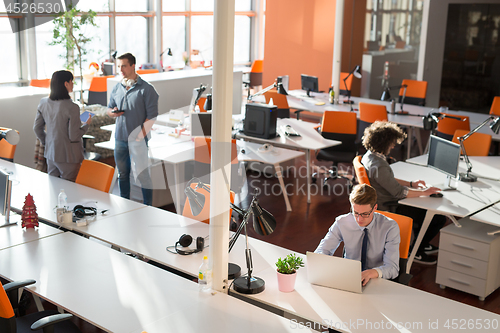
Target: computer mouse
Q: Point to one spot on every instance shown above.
(436, 195)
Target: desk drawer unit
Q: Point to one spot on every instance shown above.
(469, 259)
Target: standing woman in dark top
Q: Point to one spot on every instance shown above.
(63, 137)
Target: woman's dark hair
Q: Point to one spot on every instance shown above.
(380, 135)
(58, 90)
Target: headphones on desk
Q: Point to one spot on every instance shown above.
(80, 211)
(185, 241)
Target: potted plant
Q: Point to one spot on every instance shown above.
(287, 271)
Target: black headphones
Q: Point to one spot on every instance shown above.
(185, 241)
(80, 211)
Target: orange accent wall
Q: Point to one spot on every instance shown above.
(299, 40)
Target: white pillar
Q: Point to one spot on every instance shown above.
(337, 45)
(221, 140)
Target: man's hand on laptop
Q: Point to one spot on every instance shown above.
(367, 275)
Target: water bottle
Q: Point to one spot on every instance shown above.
(393, 106)
(332, 96)
(204, 276)
(62, 200)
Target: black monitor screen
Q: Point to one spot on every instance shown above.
(444, 156)
(201, 124)
(4, 187)
(309, 83)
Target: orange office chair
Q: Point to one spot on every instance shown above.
(96, 175)
(405, 224)
(41, 83)
(341, 126)
(204, 215)
(280, 101)
(368, 114)
(478, 144)
(201, 104)
(98, 91)
(348, 82)
(495, 106)
(48, 320)
(359, 169)
(447, 126)
(416, 92)
(255, 79)
(147, 71)
(7, 151)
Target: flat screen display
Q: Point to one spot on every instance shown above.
(309, 83)
(201, 124)
(4, 190)
(444, 156)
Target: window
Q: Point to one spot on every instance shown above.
(174, 37)
(9, 54)
(131, 36)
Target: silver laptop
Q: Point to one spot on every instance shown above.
(334, 272)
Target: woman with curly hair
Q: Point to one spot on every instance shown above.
(379, 139)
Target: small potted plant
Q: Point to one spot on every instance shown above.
(287, 271)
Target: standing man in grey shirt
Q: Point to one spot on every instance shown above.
(134, 102)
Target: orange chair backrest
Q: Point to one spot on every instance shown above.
(257, 66)
(6, 310)
(278, 99)
(449, 125)
(348, 82)
(341, 122)
(7, 150)
(360, 171)
(201, 104)
(370, 113)
(415, 89)
(99, 83)
(96, 175)
(203, 150)
(478, 144)
(147, 71)
(495, 106)
(405, 224)
(42, 83)
(204, 215)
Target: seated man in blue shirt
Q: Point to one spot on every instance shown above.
(363, 230)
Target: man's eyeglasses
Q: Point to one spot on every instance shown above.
(364, 215)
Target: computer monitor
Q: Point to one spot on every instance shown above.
(444, 156)
(309, 83)
(201, 124)
(108, 68)
(5, 190)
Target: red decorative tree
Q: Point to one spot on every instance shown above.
(29, 215)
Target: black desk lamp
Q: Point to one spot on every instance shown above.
(10, 135)
(278, 84)
(357, 73)
(263, 223)
(386, 95)
(495, 127)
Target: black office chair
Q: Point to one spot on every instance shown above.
(341, 126)
(49, 321)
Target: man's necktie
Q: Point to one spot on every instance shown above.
(363, 249)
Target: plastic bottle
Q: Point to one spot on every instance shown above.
(204, 276)
(62, 200)
(332, 95)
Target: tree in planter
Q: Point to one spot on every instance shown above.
(69, 32)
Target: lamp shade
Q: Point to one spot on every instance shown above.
(495, 125)
(263, 222)
(10, 135)
(196, 200)
(357, 72)
(386, 95)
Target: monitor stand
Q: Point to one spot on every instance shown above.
(446, 186)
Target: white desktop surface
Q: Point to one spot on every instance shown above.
(45, 190)
(118, 293)
(15, 235)
(382, 301)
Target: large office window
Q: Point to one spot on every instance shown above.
(8, 56)
(174, 37)
(131, 36)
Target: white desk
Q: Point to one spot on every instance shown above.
(120, 294)
(45, 190)
(468, 198)
(309, 140)
(15, 235)
(381, 307)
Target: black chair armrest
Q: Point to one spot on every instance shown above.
(12, 290)
(46, 322)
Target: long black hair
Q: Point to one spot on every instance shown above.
(58, 90)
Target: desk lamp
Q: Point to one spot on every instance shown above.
(278, 84)
(263, 223)
(386, 95)
(10, 135)
(357, 73)
(495, 127)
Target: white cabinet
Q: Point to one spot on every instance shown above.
(469, 258)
